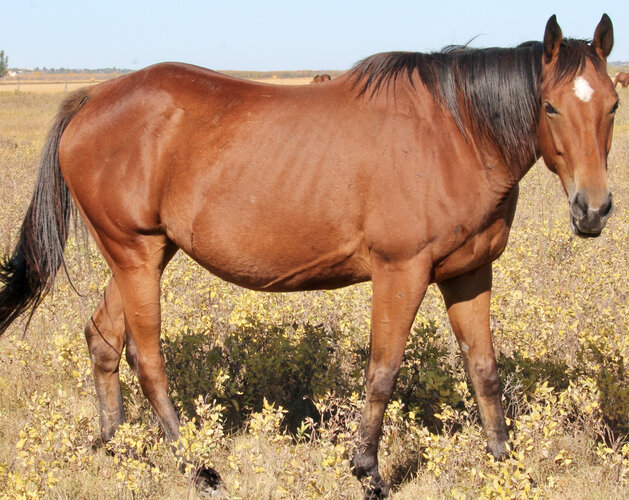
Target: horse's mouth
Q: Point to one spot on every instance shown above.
(579, 233)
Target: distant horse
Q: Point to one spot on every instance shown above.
(622, 78)
(403, 171)
(321, 78)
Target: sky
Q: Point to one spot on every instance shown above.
(273, 35)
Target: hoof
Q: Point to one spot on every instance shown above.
(376, 489)
(365, 468)
(207, 482)
(498, 450)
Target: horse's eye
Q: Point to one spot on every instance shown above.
(550, 109)
(614, 108)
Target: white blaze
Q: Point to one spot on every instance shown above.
(582, 89)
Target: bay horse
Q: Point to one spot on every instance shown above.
(403, 171)
(622, 78)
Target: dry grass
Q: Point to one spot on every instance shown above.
(44, 87)
(58, 83)
(560, 313)
(52, 83)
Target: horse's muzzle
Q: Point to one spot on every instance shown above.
(588, 222)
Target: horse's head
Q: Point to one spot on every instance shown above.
(578, 103)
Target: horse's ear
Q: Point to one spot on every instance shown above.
(603, 40)
(552, 39)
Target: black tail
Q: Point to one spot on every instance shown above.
(28, 274)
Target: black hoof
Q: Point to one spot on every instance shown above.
(207, 482)
(377, 490)
(365, 468)
(498, 450)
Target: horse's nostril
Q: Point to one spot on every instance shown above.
(606, 209)
(580, 207)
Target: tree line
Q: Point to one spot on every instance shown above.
(4, 63)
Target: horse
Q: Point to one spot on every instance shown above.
(622, 78)
(321, 78)
(403, 171)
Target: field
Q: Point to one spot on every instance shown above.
(54, 83)
(240, 364)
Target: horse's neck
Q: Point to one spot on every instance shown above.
(524, 169)
(504, 177)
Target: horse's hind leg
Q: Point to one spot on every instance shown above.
(105, 339)
(137, 268)
(467, 300)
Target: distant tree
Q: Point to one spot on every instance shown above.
(4, 64)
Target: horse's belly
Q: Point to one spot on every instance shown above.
(268, 274)
(276, 264)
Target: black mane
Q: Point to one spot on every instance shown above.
(498, 89)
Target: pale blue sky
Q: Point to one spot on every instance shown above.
(277, 35)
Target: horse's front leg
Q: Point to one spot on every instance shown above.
(467, 300)
(398, 289)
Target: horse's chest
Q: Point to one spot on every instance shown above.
(476, 251)
(462, 253)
